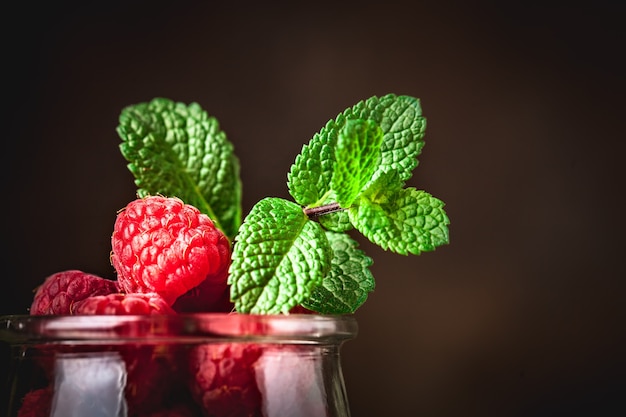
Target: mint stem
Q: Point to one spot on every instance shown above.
(314, 212)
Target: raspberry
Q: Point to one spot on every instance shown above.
(209, 296)
(301, 310)
(223, 379)
(162, 245)
(154, 378)
(120, 304)
(60, 290)
(36, 403)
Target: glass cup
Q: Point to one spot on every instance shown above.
(187, 365)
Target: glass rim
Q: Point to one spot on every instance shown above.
(177, 328)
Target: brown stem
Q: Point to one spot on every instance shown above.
(314, 212)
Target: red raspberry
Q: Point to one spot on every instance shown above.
(120, 304)
(155, 378)
(209, 296)
(36, 403)
(60, 290)
(164, 246)
(301, 310)
(223, 379)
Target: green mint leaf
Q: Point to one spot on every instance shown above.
(403, 126)
(310, 175)
(177, 150)
(279, 256)
(357, 157)
(349, 281)
(403, 220)
(338, 221)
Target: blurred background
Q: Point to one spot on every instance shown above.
(521, 315)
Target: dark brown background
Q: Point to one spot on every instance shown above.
(521, 315)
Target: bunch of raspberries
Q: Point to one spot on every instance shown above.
(169, 258)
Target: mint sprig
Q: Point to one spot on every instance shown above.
(351, 175)
(178, 150)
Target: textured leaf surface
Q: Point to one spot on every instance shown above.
(337, 222)
(357, 157)
(310, 175)
(403, 220)
(402, 124)
(179, 151)
(349, 281)
(278, 258)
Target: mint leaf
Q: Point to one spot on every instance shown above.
(349, 281)
(178, 150)
(357, 157)
(338, 221)
(309, 178)
(403, 220)
(278, 258)
(403, 126)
